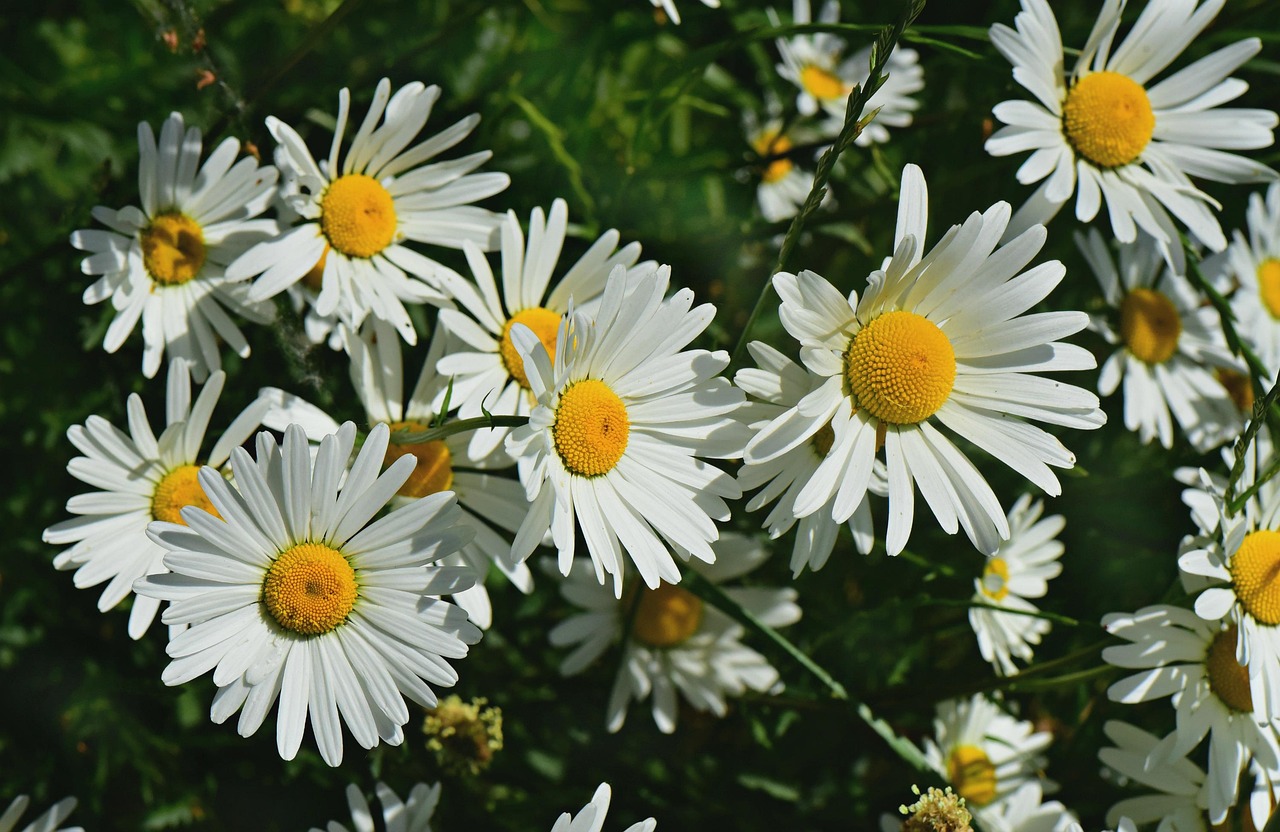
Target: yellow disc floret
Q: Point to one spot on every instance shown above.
(544, 323)
(177, 489)
(971, 772)
(995, 579)
(314, 279)
(434, 471)
(1107, 118)
(310, 589)
(666, 616)
(901, 368)
(1150, 325)
(822, 84)
(172, 248)
(357, 215)
(1255, 571)
(1269, 286)
(1228, 679)
(591, 428)
(769, 145)
(822, 441)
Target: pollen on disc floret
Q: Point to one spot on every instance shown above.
(1108, 119)
(900, 368)
(591, 428)
(310, 589)
(358, 216)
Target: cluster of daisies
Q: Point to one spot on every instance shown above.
(332, 571)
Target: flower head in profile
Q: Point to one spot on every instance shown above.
(412, 815)
(139, 478)
(46, 822)
(938, 339)
(360, 210)
(591, 817)
(1253, 261)
(290, 592)
(166, 263)
(677, 644)
(1110, 136)
(624, 418)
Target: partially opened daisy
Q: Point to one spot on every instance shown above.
(487, 371)
(46, 822)
(1254, 263)
(776, 385)
(984, 753)
(412, 815)
(491, 504)
(1020, 569)
(1193, 661)
(937, 339)
(360, 211)
(624, 418)
(591, 817)
(166, 262)
(1108, 135)
(669, 6)
(817, 65)
(783, 185)
(291, 592)
(140, 478)
(677, 643)
(1170, 345)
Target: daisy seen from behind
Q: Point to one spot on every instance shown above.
(47, 822)
(292, 593)
(1170, 345)
(677, 645)
(358, 211)
(1020, 569)
(591, 817)
(1253, 261)
(1108, 135)
(487, 370)
(625, 418)
(412, 815)
(815, 63)
(166, 262)
(1193, 662)
(493, 505)
(937, 338)
(139, 478)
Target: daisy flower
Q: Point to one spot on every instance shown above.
(815, 63)
(591, 818)
(984, 753)
(487, 371)
(1025, 811)
(783, 187)
(776, 385)
(359, 212)
(166, 262)
(1170, 345)
(140, 478)
(443, 465)
(669, 7)
(1193, 662)
(47, 822)
(1020, 569)
(677, 642)
(1254, 263)
(937, 337)
(290, 592)
(412, 815)
(624, 418)
(1105, 135)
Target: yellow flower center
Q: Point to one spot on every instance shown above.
(1238, 386)
(434, 471)
(822, 84)
(177, 489)
(1269, 286)
(972, 774)
(310, 589)
(901, 368)
(1107, 118)
(822, 441)
(314, 279)
(1227, 678)
(995, 579)
(769, 144)
(544, 323)
(173, 248)
(591, 428)
(1254, 569)
(1149, 325)
(357, 215)
(667, 616)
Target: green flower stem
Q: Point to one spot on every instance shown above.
(928, 601)
(408, 437)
